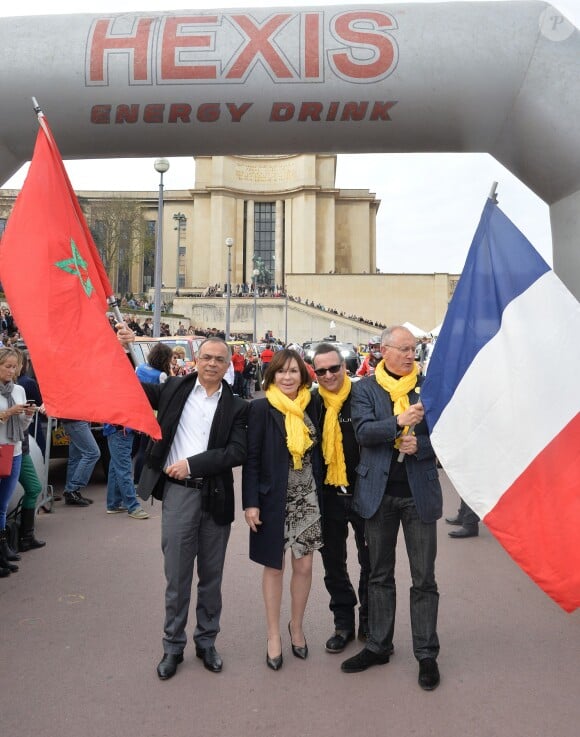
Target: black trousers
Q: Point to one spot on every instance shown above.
(468, 518)
(337, 514)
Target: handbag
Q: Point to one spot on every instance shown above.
(6, 456)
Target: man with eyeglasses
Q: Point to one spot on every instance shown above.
(341, 456)
(203, 429)
(397, 484)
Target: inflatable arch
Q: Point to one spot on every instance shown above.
(502, 78)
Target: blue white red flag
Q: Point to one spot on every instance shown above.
(502, 402)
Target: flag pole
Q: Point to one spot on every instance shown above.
(111, 299)
(40, 117)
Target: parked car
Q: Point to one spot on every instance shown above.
(58, 442)
(259, 347)
(346, 350)
(244, 345)
(190, 343)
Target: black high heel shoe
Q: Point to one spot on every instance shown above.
(276, 662)
(298, 652)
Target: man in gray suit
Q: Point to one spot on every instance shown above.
(203, 437)
(397, 484)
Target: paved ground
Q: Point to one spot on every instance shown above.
(81, 626)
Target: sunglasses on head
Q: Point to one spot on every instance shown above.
(332, 369)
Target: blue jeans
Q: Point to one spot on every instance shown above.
(249, 387)
(120, 486)
(421, 542)
(83, 453)
(7, 486)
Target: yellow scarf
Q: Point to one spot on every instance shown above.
(332, 448)
(298, 437)
(398, 389)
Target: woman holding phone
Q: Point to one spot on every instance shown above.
(15, 416)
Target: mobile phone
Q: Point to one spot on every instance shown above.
(30, 403)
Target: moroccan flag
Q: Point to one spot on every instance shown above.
(502, 401)
(57, 289)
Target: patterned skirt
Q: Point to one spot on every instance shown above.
(302, 531)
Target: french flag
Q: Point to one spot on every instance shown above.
(502, 401)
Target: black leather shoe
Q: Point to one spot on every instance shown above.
(86, 498)
(464, 532)
(276, 662)
(365, 659)
(211, 658)
(338, 641)
(29, 542)
(167, 668)
(297, 651)
(429, 677)
(8, 565)
(74, 499)
(8, 554)
(454, 520)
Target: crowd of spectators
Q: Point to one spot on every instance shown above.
(9, 334)
(140, 303)
(338, 313)
(244, 290)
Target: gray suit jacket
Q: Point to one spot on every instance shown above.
(375, 428)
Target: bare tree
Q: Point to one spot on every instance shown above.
(121, 236)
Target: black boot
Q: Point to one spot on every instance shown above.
(27, 541)
(4, 571)
(5, 550)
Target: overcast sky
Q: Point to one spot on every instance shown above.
(431, 203)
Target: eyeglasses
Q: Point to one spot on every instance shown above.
(332, 369)
(402, 349)
(206, 358)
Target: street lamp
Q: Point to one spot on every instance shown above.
(181, 220)
(229, 244)
(285, 315)
(257, 272)
(161, 166)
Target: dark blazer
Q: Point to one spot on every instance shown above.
(226, 447)
(265, 478)
(375, 428)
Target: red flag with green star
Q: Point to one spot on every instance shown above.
(57, 289)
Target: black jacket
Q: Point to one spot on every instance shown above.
(265, 478)
(226, 447)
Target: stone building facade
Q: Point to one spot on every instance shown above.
(279, 220)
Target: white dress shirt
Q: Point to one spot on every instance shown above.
(192, 434)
